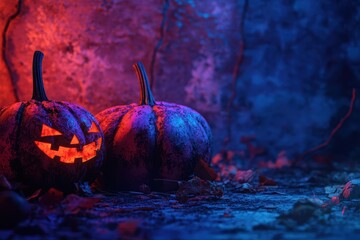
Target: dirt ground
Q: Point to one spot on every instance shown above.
(286, 203)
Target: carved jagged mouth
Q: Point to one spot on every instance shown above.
(69, 154)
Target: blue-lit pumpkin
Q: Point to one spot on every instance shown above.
(153, 143)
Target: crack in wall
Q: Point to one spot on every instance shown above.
(235, 74)
(4, 45)
(159, 43)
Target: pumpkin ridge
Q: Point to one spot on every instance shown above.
(2, 110)
(133, 121)
(204, 133)
(201, 120)
(156, 150)
(25, 165)
(157, 156)
(111, 139)
(177, 112)
(100, 120)
(47, 111)
(16, 162)
(192, 140)
(187, 129)
(41, 104)
(75, 116)
(104, 115)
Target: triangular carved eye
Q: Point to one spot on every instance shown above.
(74, 140)
(47, 131)
(93, 128)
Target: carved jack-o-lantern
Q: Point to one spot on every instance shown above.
(46, 143)
(72, 153)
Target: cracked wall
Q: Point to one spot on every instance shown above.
(290, 87)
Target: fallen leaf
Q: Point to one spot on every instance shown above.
(217, 158)
(51, 198)
(244, 176)
(35, 195)
(281, 161)
(73, 204)
(352, 190)
(264, 181)
(323, 159)
(228, 213)
(204, 171)
(129, 228)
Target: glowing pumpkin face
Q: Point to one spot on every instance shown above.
(75, 151)
(45, 143)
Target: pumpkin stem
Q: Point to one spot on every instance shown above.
(146, 97)
(38, 84)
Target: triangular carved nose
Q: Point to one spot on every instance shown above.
(74, 140)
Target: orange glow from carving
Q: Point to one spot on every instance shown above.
(48, 131)
(74, 140)
(68, 154)
(93, 128)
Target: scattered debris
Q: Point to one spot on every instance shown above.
(232, 173)
(197, 187)
(51, 198)
(303, 212)
(228, 213)
(244, 188)
(128, 228)
(204, 171)
(244, 176)
(281, 161)
(323, 159)
(264, 181)
(83, 189)
(73, 204)
(343, 210)
(334, 190)
(144, 189)
(252, 149)
(351, 190)
(35, 195)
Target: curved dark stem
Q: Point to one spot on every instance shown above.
(38, 84)
(4, 47)
(146, 97)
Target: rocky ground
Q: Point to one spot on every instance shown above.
(278, 203)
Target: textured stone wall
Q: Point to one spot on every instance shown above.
(282, 71)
